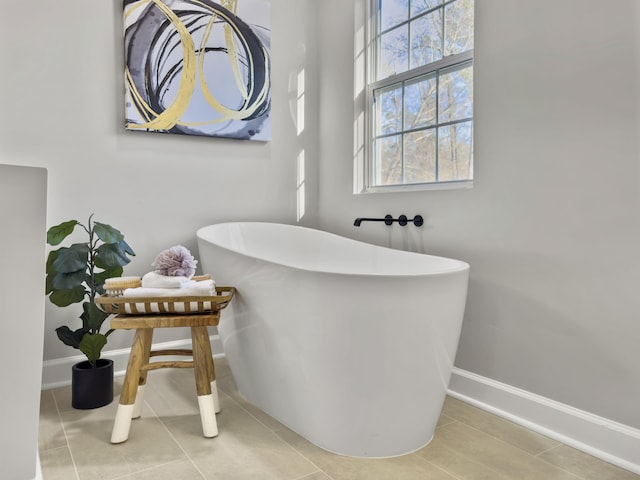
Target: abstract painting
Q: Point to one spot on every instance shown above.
(198, 67)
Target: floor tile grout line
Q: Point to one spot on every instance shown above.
(478, 429)
(549, 449)
(457, 420)
(453, 421)
(564, 445)
(578, 477)
(308, 475)
(41, 448)
(559, 467)
(66, 437)
(274, 434)
(148, 469)
(466, 457)
(421, 458)
(509, 422)
(445, 424)
(175, 440)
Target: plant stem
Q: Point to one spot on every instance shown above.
(92, 283)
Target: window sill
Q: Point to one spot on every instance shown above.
(417, 187)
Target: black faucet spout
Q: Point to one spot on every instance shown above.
(388, 220)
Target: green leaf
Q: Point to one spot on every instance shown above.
(112, 255)
(91, 345)
(64, 298)
(92, 317)
(48, 285)
(51, 272)
(69, 337)
(58, 233)
(51, 258)
(107, 233)
(69, 281)
(72, 259)
(127, 248)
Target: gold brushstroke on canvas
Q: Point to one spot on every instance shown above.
(234, 59)
(171, 115)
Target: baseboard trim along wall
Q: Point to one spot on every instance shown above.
(57, 373)
(610, 441)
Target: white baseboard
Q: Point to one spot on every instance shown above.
(608, 440)
(57, 373)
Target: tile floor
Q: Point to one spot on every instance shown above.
(166, 444)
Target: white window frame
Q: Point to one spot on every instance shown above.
(363, 184)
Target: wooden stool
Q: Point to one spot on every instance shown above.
(136, 377)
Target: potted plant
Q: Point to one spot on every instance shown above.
(77, 274)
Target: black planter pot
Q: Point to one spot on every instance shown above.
(92, 387)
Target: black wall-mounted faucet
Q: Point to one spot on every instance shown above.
(418, 221)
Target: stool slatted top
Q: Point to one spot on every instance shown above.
(167, 305)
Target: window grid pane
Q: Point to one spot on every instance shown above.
(455, 150)
(394, 52)
(389, 110)
(420, 156)
(420, 102)
(388, 167)
(455, 93)
(426, 44)
(422, 125)
(458, 27)
(421, 6)
(392, 13)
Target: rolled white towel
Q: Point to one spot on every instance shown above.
(192, 289)
(155, 280)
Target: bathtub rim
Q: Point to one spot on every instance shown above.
(458, 266)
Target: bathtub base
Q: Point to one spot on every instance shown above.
(377, 458)
(356, 411)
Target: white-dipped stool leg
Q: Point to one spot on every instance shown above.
(216, 397)
(208, 415)
(137, 407)
(122, 424)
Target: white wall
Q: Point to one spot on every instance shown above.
(62, 103)
(551, 228)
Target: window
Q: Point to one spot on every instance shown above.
(420, 93)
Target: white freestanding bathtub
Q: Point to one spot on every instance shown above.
(350, 345)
